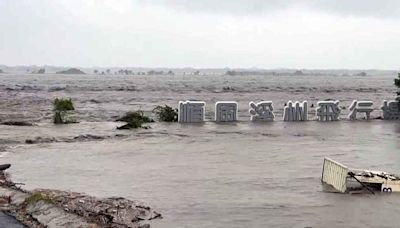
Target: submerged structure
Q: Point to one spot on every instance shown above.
(391, 109)
(340, 178)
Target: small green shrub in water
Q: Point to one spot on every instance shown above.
(397, 81)
(61, 109)
(134, 120)
(397, 84)
(166, 113)
(63, 104)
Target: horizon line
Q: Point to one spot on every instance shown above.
(198, 68)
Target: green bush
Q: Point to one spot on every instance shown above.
(397, 84)
(134, 120)
(63, 105)
(166, 113)
(397, 81)
(61, 109)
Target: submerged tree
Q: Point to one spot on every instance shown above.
(61, 109)
(397, 83)
(166, 113)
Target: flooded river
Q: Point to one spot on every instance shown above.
(209, 175)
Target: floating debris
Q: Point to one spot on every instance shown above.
(342, 179)
(17, 123)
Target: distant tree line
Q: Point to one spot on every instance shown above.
(246, 72)
(273, 73)
(130, 72)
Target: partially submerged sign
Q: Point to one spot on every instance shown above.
(226, 111)
(191, 111)
(328, 110)
(295, 111)
(262, 111)
(360, 107)
(391, 109)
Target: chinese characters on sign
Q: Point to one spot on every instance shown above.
(391, 109)
(360, 107)
(191, 111)
(328, 110)
(295, 112)
(227, 111)
(261, 111)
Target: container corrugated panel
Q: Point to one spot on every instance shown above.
(335, 174)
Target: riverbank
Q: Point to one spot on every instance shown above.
(55, 208)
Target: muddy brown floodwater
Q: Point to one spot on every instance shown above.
(211, 175)
(9, 222)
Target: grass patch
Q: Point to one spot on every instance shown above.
(38, 196)
(166, 113)
(134, 120)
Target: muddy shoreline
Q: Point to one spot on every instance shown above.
(54, 208)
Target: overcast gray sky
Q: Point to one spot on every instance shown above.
(201, 33)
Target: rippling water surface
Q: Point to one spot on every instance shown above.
(208, 175)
